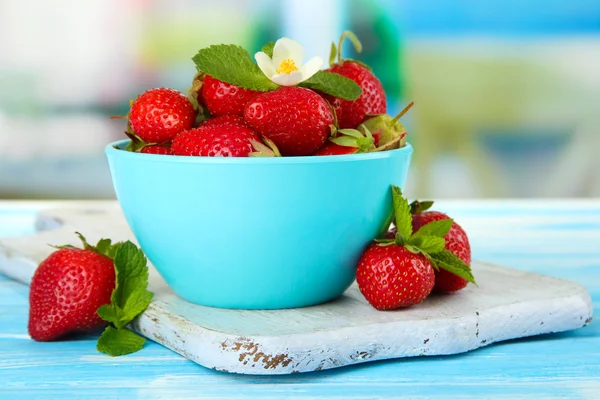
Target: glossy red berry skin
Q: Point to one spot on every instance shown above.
(457, 242)
(157, 115)
(66, 290)
(222, 98)
(372, 101)
(391, 277)
(219, 137)
(296, 119)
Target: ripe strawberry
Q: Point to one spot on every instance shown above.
(391, 277)
(348, 141)
(157, 115)
(66, 291)
(372, 100)
(457, 242)
(224, 120)
(397, 272)
(225, 136)
(157, 149)
(297, 120)
(222, 98)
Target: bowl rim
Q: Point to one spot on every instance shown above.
(115, 149)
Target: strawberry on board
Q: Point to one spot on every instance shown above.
(372, 101)
(222, 98)
(68, 288)
(399, 272)
(457, 242)
(157, 115)
(75, 290)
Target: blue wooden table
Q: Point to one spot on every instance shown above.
(559, 238)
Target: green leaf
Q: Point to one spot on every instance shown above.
(428, 244)
(107, 312)
(448, 261)
(332, 54)
(435, 228)
(333, 84)
(136, 303)
(132, 272)
(402, 211)
(232, 64)
(268, 49)
(118, 342)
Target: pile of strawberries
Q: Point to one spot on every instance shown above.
(219, 118)
(425, 251)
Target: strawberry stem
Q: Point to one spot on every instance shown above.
(401, 114)
(355, 42)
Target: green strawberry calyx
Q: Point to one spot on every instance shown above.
(392, 133)
(192, 95)
(362, 139)
(104, 247)
(266, 148)
(418, 207)
(428, 240)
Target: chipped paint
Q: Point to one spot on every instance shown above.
(249, 351)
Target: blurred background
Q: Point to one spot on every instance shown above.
(507, 92)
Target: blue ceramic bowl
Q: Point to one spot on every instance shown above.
(256, 233)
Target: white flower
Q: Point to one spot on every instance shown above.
(285, 68)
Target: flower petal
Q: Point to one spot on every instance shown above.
(287, 48)
(288, 79)
(311, 67)
(265, 64)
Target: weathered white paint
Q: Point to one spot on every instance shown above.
(507, 304)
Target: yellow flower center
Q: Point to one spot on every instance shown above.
(287, 66)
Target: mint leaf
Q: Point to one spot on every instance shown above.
(132, 273)
(435, 228)
(428, 244)
(448, 261)
(402, 211)
(129, 298)
(108, 313)
(136, 303)
(118, 342)
(333, 84)
(232, 64)
(268, 49)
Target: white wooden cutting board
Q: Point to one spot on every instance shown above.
(507, 304)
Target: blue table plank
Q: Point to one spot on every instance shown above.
(558, 238)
